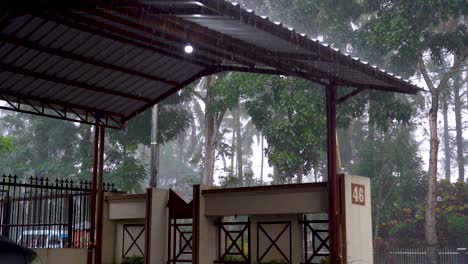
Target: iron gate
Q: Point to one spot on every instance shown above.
(40, 213)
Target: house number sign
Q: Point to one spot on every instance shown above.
(358, 193)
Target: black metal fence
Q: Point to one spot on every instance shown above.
(38, 213)
(418, 256)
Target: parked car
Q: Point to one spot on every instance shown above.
(43, 239)
(12, 253)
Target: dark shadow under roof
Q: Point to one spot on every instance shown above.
(115, 59)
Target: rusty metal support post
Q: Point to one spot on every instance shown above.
(333, 182)
(100, 202)
(92, 218)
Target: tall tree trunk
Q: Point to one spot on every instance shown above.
(233, 143)
(458, 125)
(85, 150)
(276, 179)
(300, 173)
(430, 219)
(447, 152)
(377, 221)
(180, 154)
(212, 122)
(210, 139)
(316, 172)
(262, 159)
(238, 124)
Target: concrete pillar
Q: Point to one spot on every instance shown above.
(358, 219)
(109, 237)
(159, 226)
(207, 233)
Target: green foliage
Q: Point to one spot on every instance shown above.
(402, 227)
(6, 144)
(133, 260)
(401, 31)
(452, 213)
(290, 114)
(36, 145)
(229, 180)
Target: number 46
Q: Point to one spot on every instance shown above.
(358, 194)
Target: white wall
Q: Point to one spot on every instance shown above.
(358, 222)
(271, 200)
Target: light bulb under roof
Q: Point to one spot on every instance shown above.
(188, 49)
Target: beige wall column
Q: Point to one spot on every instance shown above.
(207, 232)
(159, 226)
(358, 219)
(109, 231)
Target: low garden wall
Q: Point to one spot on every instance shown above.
(62, 255)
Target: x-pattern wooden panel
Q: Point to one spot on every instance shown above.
(235, 234)
(127, 233)
(274, 242)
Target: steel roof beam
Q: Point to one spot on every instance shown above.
(55, 102)
(261, 55)
(229, 10)
(204, 72)
(71, 56)
(236, 47)
(40, 105)
(173, 37)
(143, 42)
(80, 85)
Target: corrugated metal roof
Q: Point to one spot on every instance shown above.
(117, 58)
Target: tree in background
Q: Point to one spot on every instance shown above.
(404, 36)
(290, 115)
(421, 32)
(38, 147)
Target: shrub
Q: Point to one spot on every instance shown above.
(133, 260)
